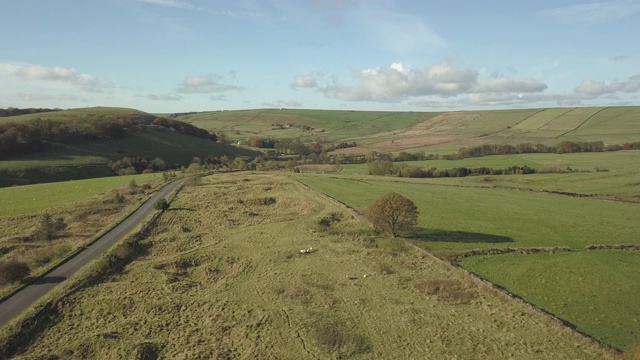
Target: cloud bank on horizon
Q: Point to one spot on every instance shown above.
(400, 55)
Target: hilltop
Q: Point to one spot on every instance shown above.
(81, 143)
(438, 132)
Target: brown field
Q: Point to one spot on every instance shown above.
(222, 277)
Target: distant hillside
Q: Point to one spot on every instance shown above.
(137, 135)
(429, 131)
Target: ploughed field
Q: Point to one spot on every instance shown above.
(222, 276)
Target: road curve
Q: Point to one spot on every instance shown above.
(21, 300)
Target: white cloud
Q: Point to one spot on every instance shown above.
(283, 104)
(39, 73)
(205, 84)
(599, 88)
(445, 79)
(305, 81)
(164, 97)
(593, 13)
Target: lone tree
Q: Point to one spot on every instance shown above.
(161, 204)
(393, 214)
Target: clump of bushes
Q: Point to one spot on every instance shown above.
(613, 247)
(334, 338)
(447, 290)
(265, 201)
(331, 219)
(161, 205)
(507, 250)
(12, 271)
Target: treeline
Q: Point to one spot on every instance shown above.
(388, 168)
(315, 153)
(137, 165)
(15, 111)
(185, 128)
(528, 148)
(297, 146)
(31, 136)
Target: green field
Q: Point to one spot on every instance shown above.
(596, 290)
(88, 159)
(28, 199)
(221, 276)
(431, 132)
(223, 265)
(457, 216)
(333, 124)
(82, 113)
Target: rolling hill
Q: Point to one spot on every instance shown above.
(433, 132)
(88, 158)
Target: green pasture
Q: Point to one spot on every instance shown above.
(457, 216)
(21, 200)
(221, 276)
(89, 159)
(609, 175)
(595, 290)
(81, 114)
(333, 124)
(540, 119)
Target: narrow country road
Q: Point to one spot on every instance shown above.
(21, 300)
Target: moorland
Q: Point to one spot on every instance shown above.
(537, 263)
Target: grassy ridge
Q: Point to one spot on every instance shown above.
(334, 124)
(82, 113)
(88, 159)
(437, 132)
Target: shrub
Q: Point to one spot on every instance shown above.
(13, 271)
(161, 204)
(118, 198)
(48, 228)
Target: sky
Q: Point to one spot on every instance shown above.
(165, 56)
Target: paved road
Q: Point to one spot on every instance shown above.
(27, 296)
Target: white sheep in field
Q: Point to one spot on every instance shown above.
(307, 251)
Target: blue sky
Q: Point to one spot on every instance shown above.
(197, 55)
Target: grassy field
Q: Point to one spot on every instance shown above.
(222, 277)
(564, 284)
(71, 115)
(603, 175)
(88, 159)
(333, 124)
(29, 199)
(431, 132)
(457, 216)
(86, 207)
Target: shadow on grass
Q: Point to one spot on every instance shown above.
(437, 235)
(180, 208)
